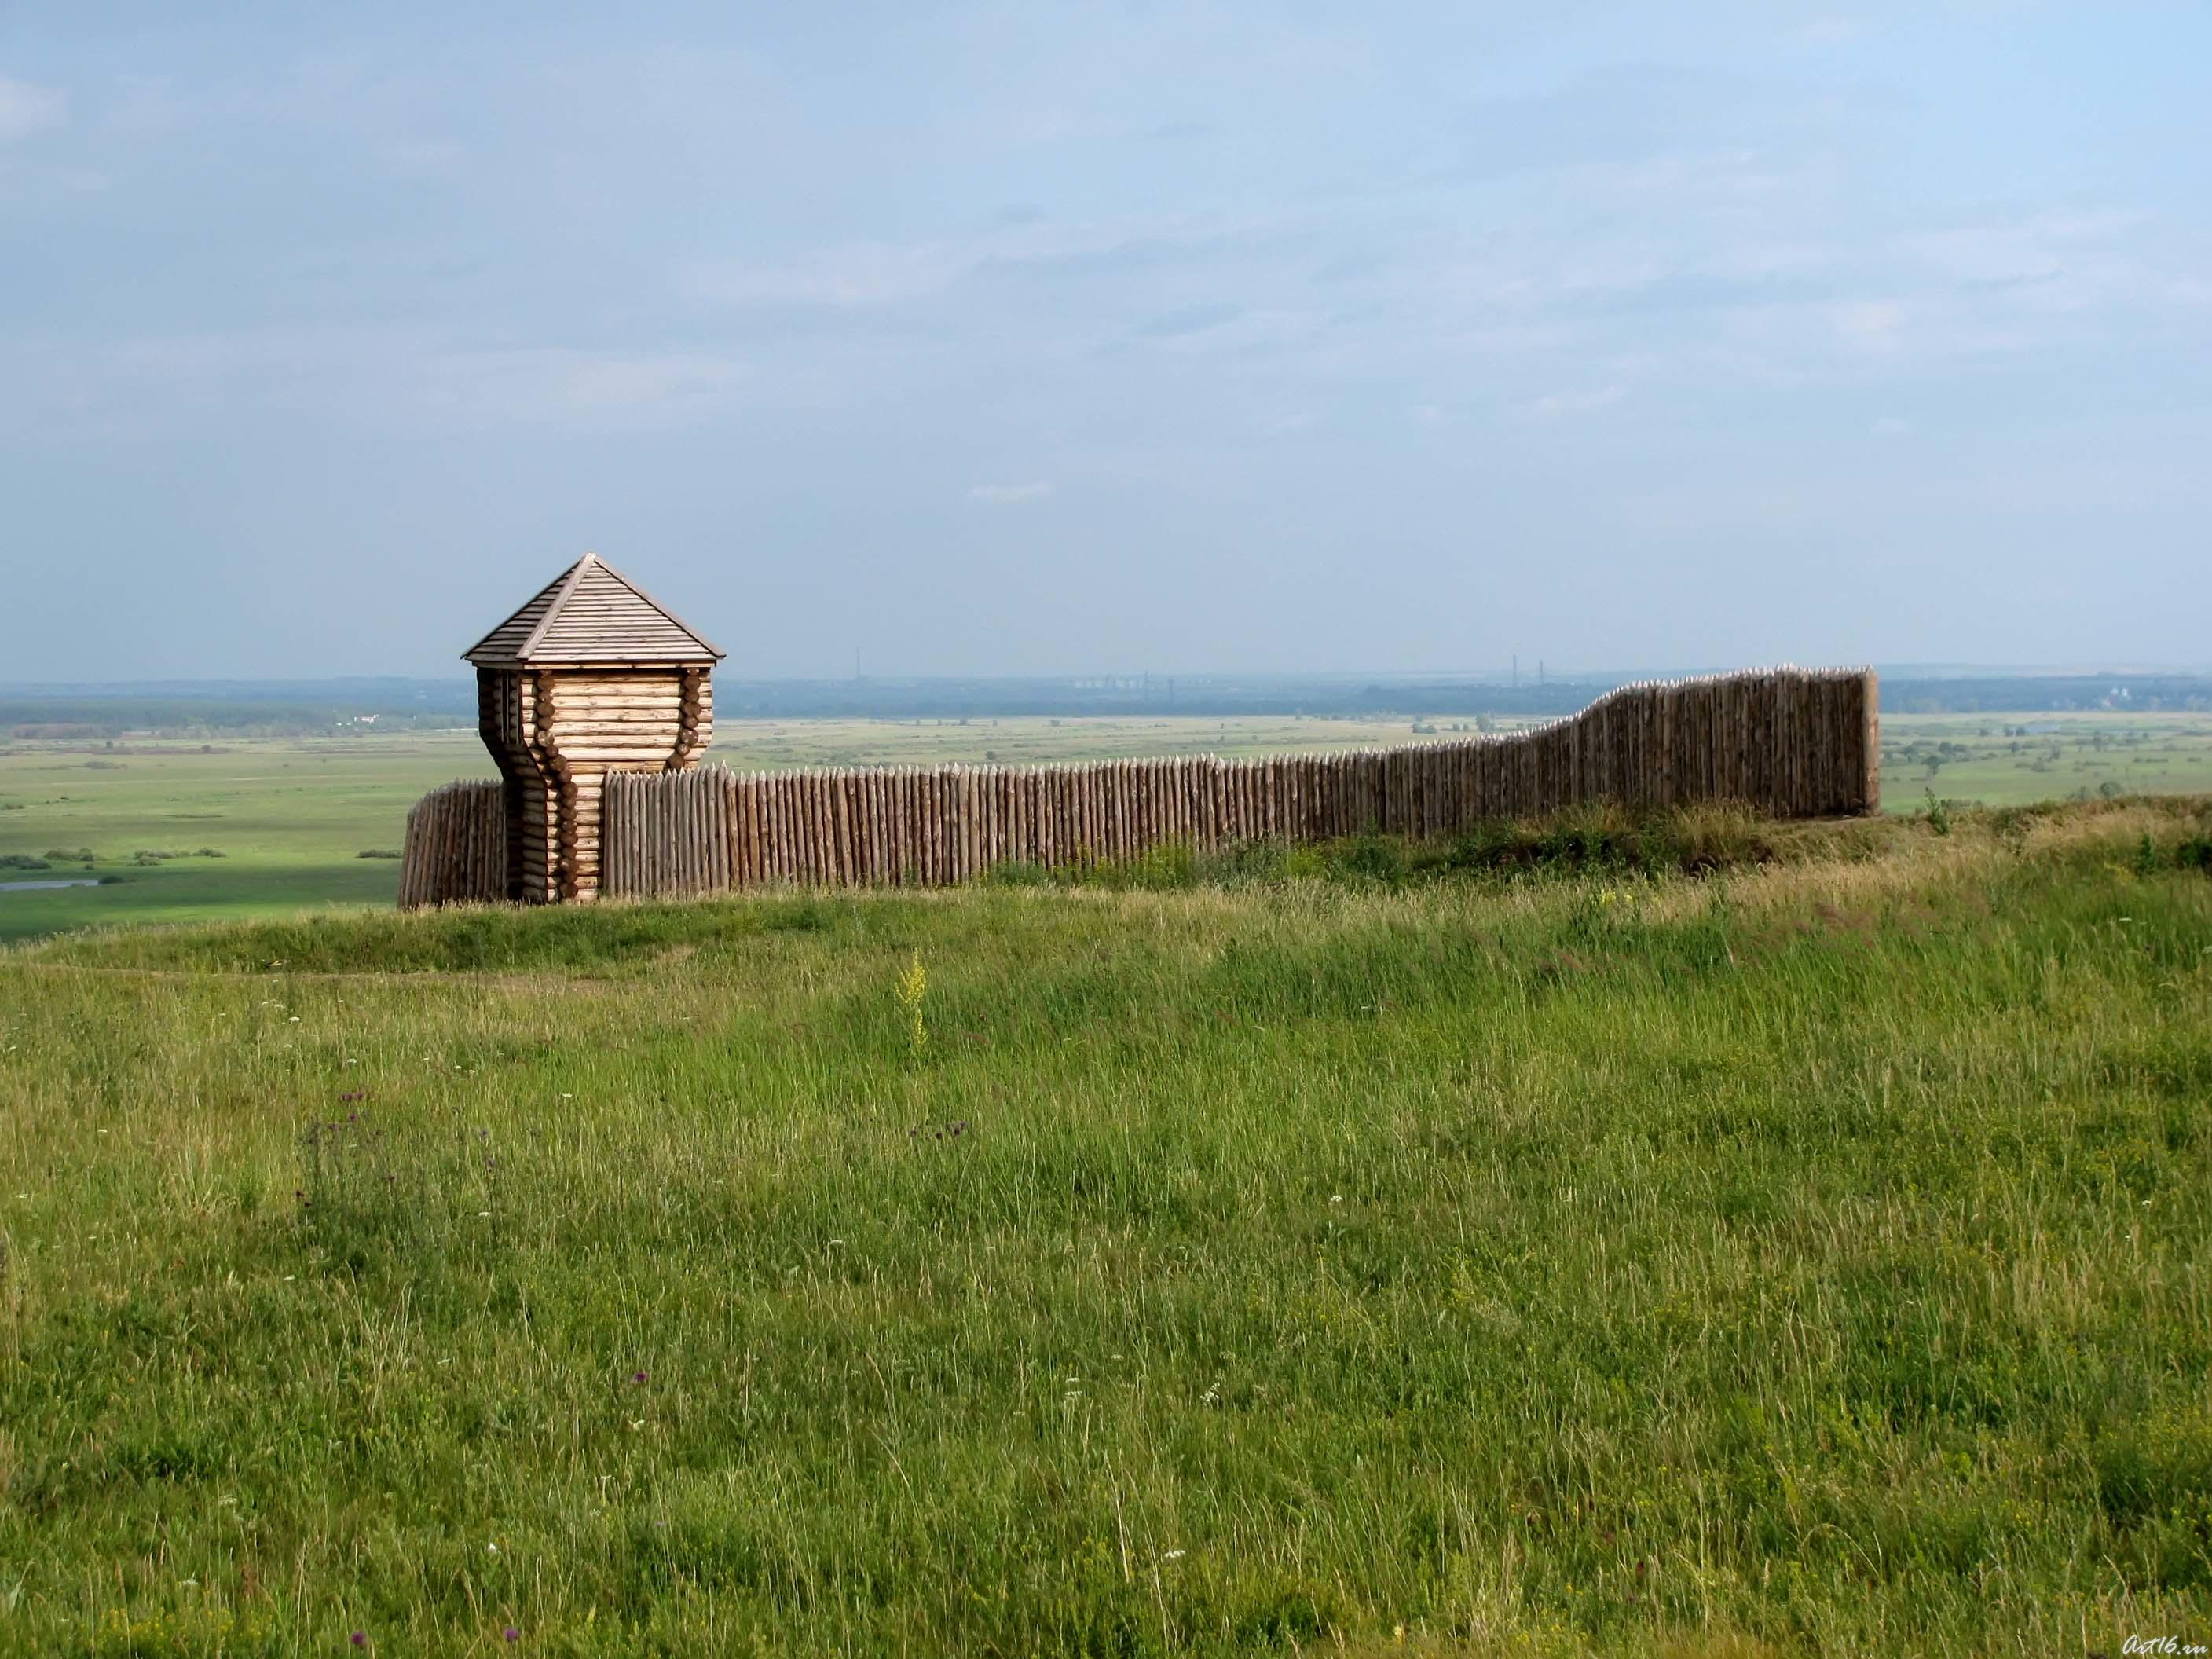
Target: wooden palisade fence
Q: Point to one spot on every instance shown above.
(1790, 742)
(456, 849)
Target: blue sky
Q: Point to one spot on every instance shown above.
(1061, 338)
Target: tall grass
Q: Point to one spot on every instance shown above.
(1534, 1254)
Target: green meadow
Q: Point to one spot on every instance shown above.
(1518, 1245)
(2013, 760)
(291, 817)
(281, 823)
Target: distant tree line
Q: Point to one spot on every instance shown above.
(243, 709)
(2049, 694)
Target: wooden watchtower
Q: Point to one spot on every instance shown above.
(591, 676)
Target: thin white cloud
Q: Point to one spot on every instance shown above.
(1831, 30)
(1869, 324)
(1016, 246)
(25, 108)
(1552, 404)
(591, 384)
(374, 377)
(866, 275)
(422, 157)
(1001, 495)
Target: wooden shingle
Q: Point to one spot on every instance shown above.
(590, 613)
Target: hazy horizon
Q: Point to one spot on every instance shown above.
(461, 683)
(1227, 339)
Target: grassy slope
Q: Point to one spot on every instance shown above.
(1812, 1255)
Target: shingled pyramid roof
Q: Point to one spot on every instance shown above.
(590, 612)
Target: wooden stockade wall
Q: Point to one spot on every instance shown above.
(456, 848)
(1790, 742)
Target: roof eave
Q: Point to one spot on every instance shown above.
(664, 660)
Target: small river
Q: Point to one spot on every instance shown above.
(37, 886)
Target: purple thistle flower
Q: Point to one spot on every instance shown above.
(359, 1638)
(511, 1634)
(638, 1376)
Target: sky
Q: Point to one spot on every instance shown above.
(1076, 338)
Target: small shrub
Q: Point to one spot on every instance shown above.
(1381, 858)
(2147, 860)
(22, 861)
(1158, 869)
(378, 853)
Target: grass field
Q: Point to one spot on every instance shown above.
(1519, 1249)
(2011, 760)
(290, 817)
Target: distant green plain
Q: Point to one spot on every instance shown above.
(291, 817)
